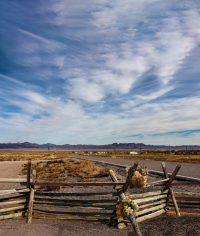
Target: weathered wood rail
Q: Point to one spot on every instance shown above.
(188, 202)
(89, 204)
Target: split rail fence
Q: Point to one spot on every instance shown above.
(33, 202)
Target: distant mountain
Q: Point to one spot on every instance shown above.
(19, 145)
(138, 146)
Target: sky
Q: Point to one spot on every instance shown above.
(100, 71)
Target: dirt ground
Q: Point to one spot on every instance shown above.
(161, 226)
(164, 225)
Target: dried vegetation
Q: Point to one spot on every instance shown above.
(189, 156)
(158, 155)
(20, 155)
(64, 169)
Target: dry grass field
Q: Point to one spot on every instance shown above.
(38, 154)
(32, 154)
(187, 157)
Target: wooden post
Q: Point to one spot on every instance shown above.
(30, 181)
(29, 169)
(168, 185)
(123, 197)
(174, 173)
(34, 176)
(30, 206)
(126, 171)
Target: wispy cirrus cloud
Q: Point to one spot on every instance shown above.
(183, 133)
(113, 71)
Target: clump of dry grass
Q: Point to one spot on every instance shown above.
(85, 169)
(62, 169)
(50, 170)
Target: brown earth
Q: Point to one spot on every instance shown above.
(161, 226)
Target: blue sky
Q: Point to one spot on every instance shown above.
(100, 71)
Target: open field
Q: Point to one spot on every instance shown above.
(158, 155)
(33, 154)
(152, 161)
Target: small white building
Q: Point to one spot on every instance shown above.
(133, 153)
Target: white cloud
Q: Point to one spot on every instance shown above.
(37, 51)
(124, 63)
(175, 45)
(86, 90)
(68, 122)
(114, 14)
(123, 57)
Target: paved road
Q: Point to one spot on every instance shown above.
(187, 169)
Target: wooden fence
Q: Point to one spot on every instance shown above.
(13, 203)
(188, 202)
(33, 202)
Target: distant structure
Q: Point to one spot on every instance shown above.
(101, 152)
(133, 153)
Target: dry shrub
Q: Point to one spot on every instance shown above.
(85, 169)
(75, 168)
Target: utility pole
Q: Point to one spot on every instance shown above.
(169, 149)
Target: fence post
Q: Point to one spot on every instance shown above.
(168, 185)
(32, 191)
(123, 197)
(30, 205)
(29, 169)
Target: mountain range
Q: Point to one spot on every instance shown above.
(88, 146)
